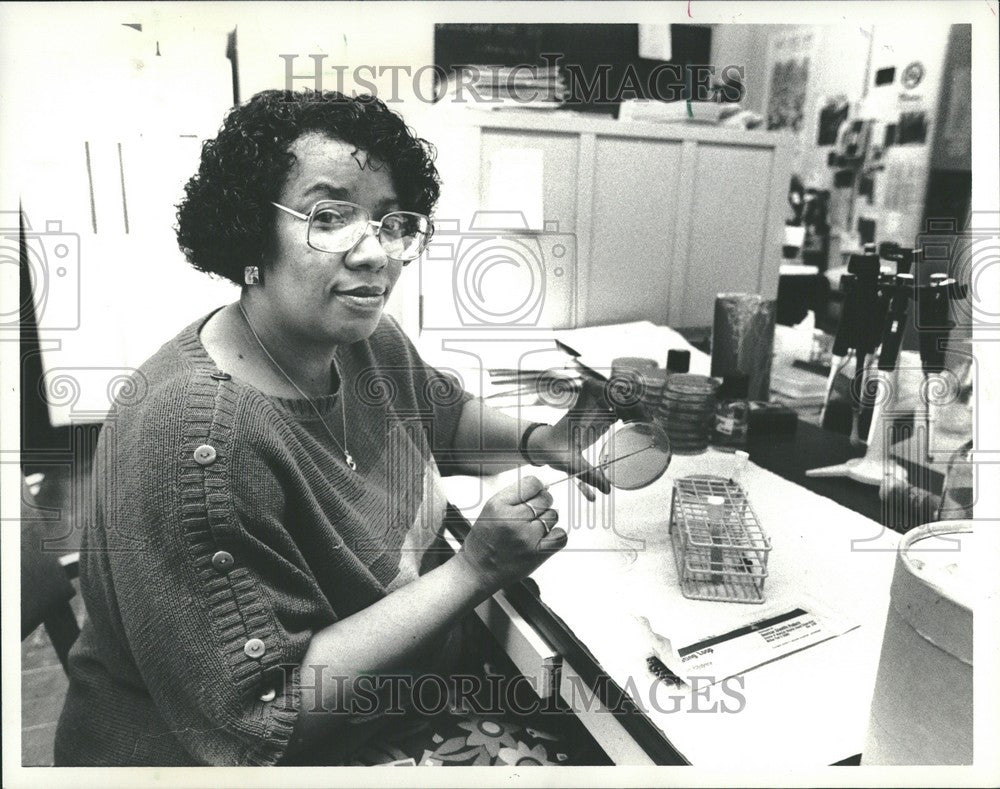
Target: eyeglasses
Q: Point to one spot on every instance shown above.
(338, 226)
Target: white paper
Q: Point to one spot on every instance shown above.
(794, 235)
(765, 636)
(515, 184)
(599, 346)
(654, 42)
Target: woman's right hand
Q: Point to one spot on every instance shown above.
(508, 542)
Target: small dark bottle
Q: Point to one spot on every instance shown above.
(678, 361)
(732, 412)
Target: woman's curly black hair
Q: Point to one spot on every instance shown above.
(226, 220)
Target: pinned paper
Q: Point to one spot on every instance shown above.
(654, 42)
(795, 235)
(515, 184)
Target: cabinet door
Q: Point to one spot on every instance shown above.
(634, 211)
(491, 278)
(535, 272)
(728, 215)
(559, 171)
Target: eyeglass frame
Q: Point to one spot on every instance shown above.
(370, 224)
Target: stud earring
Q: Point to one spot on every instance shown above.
(251, 275)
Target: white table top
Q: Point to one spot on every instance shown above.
(806, 709)
(809, 708)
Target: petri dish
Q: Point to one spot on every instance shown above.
(635, 455)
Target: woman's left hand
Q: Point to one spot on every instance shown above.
(561, 446)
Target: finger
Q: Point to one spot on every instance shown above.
(589, 429)
(545, 520)
(585, 489)
(532, 510)
(549, 518)
(554, 541)
(593, 476)
(530, 487)
(524, 489)
(542, 501)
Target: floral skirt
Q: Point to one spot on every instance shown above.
(455, 739)
(478, 731)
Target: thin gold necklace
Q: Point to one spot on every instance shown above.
(343, 414)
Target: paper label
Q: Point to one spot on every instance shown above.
(750, 645)
(724, 425)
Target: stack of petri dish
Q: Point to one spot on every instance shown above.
(624, 365)
(653, 382)
(687, 410)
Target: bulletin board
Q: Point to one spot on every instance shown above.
(590, 48)
(790, 56)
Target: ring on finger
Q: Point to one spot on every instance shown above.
(534, 512)
(547, 527)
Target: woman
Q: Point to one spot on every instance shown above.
(268, 505)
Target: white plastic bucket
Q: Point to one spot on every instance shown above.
(922, 708)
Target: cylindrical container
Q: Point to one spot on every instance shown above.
(921, 710)
(637, 363)
(715, 507)
(743, 339)
(678, 361)
(732, 413)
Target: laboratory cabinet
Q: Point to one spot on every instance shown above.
(634, 221)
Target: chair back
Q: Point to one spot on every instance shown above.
(46, 590)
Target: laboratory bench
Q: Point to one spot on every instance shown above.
(571, 627)
(544, 646)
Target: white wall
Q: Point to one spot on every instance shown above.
(900, 187)
(838, 57)
(85, 83)
(746, 46)
(128, 292)
(360, 50)
(843, 61)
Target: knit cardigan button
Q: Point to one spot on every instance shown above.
(222, 560)
(205, 455)
(269, 695)
(254, 648)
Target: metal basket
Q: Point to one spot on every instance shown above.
(725, 561)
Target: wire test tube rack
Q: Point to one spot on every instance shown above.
(720, 555)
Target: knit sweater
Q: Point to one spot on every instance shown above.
(228, 530)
